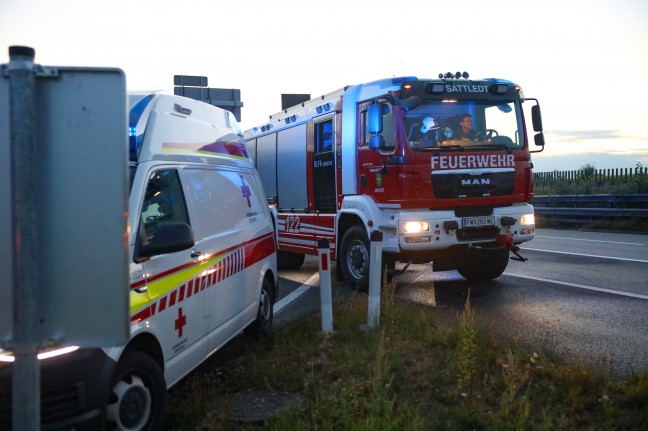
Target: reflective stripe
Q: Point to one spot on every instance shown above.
(175, 286)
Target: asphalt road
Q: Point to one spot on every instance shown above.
(583, 295)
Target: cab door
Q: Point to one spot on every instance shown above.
(177, 311)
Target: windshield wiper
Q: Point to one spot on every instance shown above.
(486, 146)
(448, 147)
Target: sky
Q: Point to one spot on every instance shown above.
(585, 60)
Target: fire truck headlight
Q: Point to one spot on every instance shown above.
(416, 227)
(527, 219)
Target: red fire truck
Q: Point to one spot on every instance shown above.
(442, 167)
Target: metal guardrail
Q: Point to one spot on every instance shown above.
(579, 209)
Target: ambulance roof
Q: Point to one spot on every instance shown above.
(175, 128)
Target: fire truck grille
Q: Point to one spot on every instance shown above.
(478, 233)
(455, 185)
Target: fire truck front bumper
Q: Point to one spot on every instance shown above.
(433, 230)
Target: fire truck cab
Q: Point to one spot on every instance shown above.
(442, 167)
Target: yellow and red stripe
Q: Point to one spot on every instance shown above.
(171, 287)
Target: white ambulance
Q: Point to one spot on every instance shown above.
(202, 269)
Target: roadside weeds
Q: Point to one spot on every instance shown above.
(418, 370)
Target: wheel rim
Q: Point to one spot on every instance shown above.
(264, 306)
(132, 407)
(357, 259)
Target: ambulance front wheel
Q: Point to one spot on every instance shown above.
(354, 257)
(263, 323)
(138, 394)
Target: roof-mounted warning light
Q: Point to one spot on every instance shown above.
(450, 75)
(498, 89)
(435, 88)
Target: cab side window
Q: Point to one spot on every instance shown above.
(324, 137)
(163, 202)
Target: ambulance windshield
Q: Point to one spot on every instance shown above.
(464, 125)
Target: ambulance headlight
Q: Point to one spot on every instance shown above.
(527, 219)
(7, 357)
(416, 227)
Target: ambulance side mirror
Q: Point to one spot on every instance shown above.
(169, 237)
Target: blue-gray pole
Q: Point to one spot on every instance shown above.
(24, 198)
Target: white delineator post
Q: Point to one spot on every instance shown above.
(323, 254)
(375, 279)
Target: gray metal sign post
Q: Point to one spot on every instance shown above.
(63, 216)
(26, 376)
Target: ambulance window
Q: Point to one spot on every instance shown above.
(163, 202)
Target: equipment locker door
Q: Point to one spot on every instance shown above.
(324, 198)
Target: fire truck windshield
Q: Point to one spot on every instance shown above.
(467, 125)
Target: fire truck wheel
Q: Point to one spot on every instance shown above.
(355, 257)
(263, 323)
(481, 263)
(138, 397)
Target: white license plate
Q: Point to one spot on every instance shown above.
(478, 221)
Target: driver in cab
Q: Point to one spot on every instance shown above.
(466, 128)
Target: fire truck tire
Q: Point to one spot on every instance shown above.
(263, 323)
(354, 257)
(138, 396)
(289, 260)
(481, 263)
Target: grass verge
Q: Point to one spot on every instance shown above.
(418, 371)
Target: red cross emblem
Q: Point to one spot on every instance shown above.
(180, 322)
(245, 191)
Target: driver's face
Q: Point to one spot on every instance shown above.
(466, 124)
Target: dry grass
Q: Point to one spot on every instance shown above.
(417, 371)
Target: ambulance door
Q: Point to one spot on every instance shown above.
(176, 299)
(228, 217)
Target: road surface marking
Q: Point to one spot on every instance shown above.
(591, 240)
(281, 304)
(581, 286)
(587, 255)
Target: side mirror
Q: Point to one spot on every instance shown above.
(536, 118)
(375, 118)
(169, 237)
(539, 141)
(376, 142)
